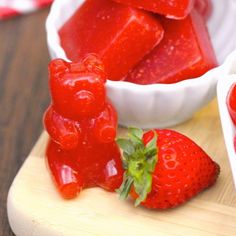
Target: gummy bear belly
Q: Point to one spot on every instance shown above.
(90, 169)
(96, 163)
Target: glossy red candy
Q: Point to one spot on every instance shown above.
(119, 34)
(231, 103)
(185, 52)
(175, 9)
(82, 124)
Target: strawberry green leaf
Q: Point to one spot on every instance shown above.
(135, 135)
(151, 164)
(143, 188)
(150, 153)
(139, 161)
(136, 132)
(125, 188)
(126, 145)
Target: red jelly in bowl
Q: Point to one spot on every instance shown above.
(120, 35)
(185, 52)
(175, 9)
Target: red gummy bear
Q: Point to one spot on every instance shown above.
(82, 151)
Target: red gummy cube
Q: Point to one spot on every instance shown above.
(120, 35)
(185, 52)
(175, 9)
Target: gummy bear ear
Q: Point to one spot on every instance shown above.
(58, 67)
(94, 64)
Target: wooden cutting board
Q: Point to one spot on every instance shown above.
(36, 209)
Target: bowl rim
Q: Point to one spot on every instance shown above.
(53, 41)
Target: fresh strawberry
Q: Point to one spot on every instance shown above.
(163, 168)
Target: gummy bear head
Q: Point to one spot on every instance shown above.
(78, 88)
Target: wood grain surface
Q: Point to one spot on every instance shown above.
(23, 96)
(98, 213)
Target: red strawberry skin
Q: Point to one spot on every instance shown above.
(182, 171)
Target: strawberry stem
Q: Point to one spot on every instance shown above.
(139, 162)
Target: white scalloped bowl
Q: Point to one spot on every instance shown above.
(160, 105)
(229, 130)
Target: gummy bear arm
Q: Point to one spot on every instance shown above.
(61, 130)
(106, 125)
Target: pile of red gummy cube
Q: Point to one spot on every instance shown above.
(143, 41)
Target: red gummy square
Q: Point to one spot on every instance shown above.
(185, 52)
(120, 35)
(175, 9)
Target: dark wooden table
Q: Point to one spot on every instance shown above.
(23, 96)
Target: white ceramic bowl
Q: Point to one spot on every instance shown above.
(160, 105)
(228, 127)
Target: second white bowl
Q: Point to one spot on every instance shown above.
(228, 127)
